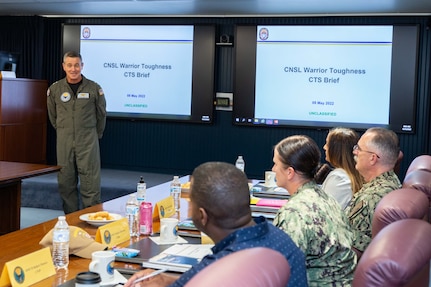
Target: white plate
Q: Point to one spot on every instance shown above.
(85, 217)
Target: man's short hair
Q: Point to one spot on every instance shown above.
(222, 190)
(386, 144)
(71, 54)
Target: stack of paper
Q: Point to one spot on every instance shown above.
(261, 190)
(187, 228)
(266, 207)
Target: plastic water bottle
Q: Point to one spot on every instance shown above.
(60, 243)
(60, 276)
(141, 191)
(240, 163)
(176, 192)
(132, 213)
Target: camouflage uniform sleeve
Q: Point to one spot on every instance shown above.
(290, 221)
(361, 217)
(362, 210)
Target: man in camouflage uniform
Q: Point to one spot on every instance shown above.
(77, 111)
(312, 218)
(376, 155)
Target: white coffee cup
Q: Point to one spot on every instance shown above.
(270, 180)
(168, 230)
(102, 262)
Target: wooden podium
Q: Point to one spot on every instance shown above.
(23, 120)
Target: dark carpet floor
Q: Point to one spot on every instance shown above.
(42, 191)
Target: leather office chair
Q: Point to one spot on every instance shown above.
(399, 255)
(422, 162)
(397, 205)
(420, 179)
(397, 167)
(253, 267)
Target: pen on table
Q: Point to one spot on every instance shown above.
(150, 275)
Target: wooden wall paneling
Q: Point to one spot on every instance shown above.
(23, 120)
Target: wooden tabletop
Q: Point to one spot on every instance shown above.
(25, 241)
(11, 175)
(13, 171)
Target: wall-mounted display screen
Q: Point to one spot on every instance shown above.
(163, 72)
(326, 76)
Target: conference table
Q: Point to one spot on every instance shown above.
(22, 242)
(11, 176)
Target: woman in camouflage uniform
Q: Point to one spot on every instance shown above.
(312, 218)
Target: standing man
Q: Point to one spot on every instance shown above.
(77, 111)
(375, 155)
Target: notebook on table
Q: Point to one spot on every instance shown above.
(179, 257)
(266, 207)
(186, 228)
(149, 249)
(261, 190)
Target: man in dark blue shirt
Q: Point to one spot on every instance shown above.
(220, 207)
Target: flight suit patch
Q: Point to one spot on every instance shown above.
(65, 97)
(83, 96)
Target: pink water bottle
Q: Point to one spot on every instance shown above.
(146, 218)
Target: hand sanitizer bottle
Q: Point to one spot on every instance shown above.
(240, 163)
(141, 191)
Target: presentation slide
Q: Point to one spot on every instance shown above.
(324, 73)
(142, 69)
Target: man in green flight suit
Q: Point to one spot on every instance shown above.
(77, 111)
